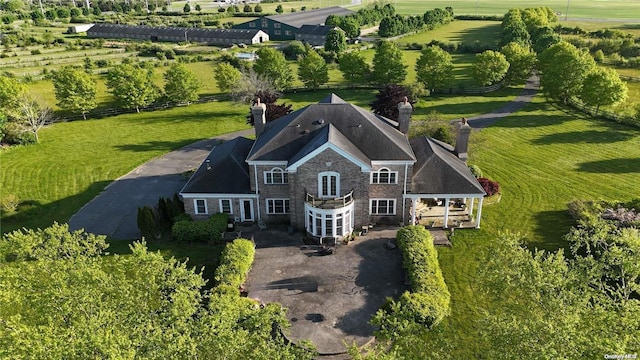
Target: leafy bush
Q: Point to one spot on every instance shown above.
(235, 263)
(200, 231)
(147, 222)
(475, 170)
(490, 187)
(430, 300)
(9, 203)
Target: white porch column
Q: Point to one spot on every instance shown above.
(414, 202)
(471, 208)
(446, 213)
(479, 213)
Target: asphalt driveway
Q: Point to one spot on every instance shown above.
(329, 299)
(114, 211)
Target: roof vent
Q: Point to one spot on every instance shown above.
(320, 121)
(208, 162)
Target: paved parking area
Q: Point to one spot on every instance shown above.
(329, 299)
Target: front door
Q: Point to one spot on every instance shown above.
(246, 209)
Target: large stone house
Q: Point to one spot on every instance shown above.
(332, 168)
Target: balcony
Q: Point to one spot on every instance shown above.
(329, 203)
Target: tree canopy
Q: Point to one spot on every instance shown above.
(521, 61)
(388, 64)
(354, 67)
(132, 86)
(336, 41)
(562, 70)
(434, 68)
(603, 86)
(226, 76)
(489, 67)
(181, 84)
(312, 69)
(75, 90)
(272, 64)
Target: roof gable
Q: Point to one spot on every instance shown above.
(329, 137)
(227, 172)
(438, 171)
(372, 135)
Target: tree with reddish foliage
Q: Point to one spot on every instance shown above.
(490, 187)
(387, 99)
(274, 111)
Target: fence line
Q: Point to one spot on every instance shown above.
(609, 115)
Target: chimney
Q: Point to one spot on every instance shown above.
(462, 139)
(258, 111)
(404, 118)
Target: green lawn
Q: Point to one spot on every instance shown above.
(467, 31)
(76, 160)
(543, 158)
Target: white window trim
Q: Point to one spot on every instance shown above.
(284, 207)
(329, 174)
(383, 214)
(195, 207)
(230, 205)
(285, 176)
(384, 169)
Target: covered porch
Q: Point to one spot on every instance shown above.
(445, 211)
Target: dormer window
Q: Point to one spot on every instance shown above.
(276, 176)
(384, 176)
(328, 184)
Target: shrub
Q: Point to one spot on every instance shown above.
(475, 170)
(200, 231)
(147, 222)
(235, 263)
(430, 300)
(490, 187)
(9, 203)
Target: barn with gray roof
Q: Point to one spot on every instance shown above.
(207, 36)
(286, 26)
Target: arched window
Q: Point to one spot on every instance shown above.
(328, 184)
(276, 176)
(384, 176)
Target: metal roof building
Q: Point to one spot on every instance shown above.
(178, 34)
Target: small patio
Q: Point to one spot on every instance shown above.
(432, 213)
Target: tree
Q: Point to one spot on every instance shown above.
(272, 64)
(562, 70)
(247, 8)
(336, 41)
(354, 68)
(249, 84)
(198, 7)
(350, 26)
(132, 86)
(181, 84)
(521, 60)
(434, 68)
(75, 90)
(387, 99)
(489, 67)
(312, 69)
(603, 86)
(186, 8)
(11, 90)
(257, 8)
(32, 116)
(279, 9)
(226, 76)
(274, 111)
(294, 50)
(388, 64)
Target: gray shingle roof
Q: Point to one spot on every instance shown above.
(438, 171)
(119, 30)
(229, 173)
(311, 17)
(372, 135)
(315, 29)
(329, 134)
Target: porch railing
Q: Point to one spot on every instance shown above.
(329, 203)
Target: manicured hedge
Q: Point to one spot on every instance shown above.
(200, 231)
(235, 263)
(429, 300)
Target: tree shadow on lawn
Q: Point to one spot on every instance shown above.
(187, 115)
(588, 136)
(520, 120)
(33, 214)
(468, 108)
(551, 226)
(158, 145)
(611, 166)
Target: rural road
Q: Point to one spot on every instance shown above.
(113, 212)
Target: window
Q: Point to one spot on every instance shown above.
(264, 23)
(383, 206)
(200, 205)
(332, 223)
(384, 176)
(225, 206)
(276, 32)
(276, 25)
(276, 176)
(328, 184)
(287, 32)
(277, 206)
(252, 24)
